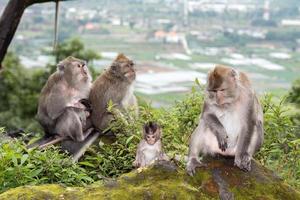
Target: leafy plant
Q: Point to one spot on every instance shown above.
(20, 166)
(281, 148)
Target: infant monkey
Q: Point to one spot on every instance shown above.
(150, 147)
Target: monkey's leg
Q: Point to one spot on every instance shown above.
(257, 138)
(105, 121)
(196, 146)
(242, 156)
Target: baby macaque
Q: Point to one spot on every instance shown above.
(150, 148)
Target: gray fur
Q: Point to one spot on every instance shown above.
(233, 129)
(61, 111)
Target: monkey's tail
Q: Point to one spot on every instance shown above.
(106, 132)
(88, 142)
(42, 141)
(77, 149)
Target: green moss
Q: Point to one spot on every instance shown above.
(165, 181)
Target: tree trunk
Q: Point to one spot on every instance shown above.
(10, 20)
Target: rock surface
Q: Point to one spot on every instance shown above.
(219, 180)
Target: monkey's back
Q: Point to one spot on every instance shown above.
(42, 114)
(105, 88)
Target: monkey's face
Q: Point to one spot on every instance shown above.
(151, 138)
(80, 71)
(222, 88)
(75, 70)
(124, 70)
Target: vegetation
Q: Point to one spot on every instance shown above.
(165, 181)
(19, 94)
(294, 98)
(281, 150)
(19, 166)
(294, 94)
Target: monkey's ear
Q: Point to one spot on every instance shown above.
(61, 66)
(113, 67)
(234, 72)
(121, 58)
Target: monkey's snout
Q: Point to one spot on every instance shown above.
(84, 70)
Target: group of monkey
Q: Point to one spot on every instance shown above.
(73, 110)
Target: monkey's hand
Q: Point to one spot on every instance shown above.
(87, 114)
(192, 165)
(78, 105)
(136, 164)
(222, 141)
(243, 162)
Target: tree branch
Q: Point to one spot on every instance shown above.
(10, 20)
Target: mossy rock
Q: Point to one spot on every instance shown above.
(219, 180)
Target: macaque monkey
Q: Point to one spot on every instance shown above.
(150, 148)
(73, 124)
(231, 122)
(114, 84)
(62, 110)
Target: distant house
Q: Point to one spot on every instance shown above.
(290, 22)
(172, 37)
(90, 26)
(169, 37)
(115, 21)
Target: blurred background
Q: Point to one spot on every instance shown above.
(172, 42)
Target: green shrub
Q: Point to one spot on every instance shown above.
(281, 148)
(280, 151)
(177, 124)
(20, 166)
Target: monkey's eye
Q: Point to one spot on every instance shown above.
(222, 89)
(78, 65)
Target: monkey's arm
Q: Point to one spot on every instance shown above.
(139, 155)
(56, 104)
(213, 123)
(160, 153)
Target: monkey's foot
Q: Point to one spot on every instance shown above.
(192, 165)
(222, 141)
(243, 162)
(141, 169)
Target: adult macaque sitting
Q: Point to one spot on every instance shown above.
(115, 84)
(62, 111)
(231, 123)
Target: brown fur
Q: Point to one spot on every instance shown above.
(121, 58)
(110, 85)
